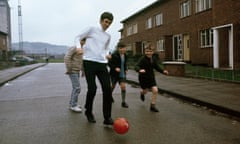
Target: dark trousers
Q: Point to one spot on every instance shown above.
(93, 69)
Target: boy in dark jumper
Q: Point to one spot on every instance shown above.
(145, 68)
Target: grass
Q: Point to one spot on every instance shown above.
(211, 73)
(4, 65)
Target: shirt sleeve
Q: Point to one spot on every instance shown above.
(81, 36)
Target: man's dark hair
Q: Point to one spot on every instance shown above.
(121, 45)
(107, 15)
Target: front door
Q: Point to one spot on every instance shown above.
(186, 47)
(177, 48)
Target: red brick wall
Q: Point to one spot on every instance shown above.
(223, 12)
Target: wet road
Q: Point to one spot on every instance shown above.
(34, 109)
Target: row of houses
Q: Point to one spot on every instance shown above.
(200, 32)
(5, 29)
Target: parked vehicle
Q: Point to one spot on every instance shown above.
(22, 60)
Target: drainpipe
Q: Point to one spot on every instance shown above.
(215, 49)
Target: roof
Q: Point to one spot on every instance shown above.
(156, 3)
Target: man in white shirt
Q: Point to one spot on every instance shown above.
(95, 59)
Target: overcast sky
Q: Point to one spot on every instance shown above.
(59, 21)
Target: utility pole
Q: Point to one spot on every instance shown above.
(20, 34)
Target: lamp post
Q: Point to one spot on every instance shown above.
(20, 34)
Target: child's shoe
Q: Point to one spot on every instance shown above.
(124, 104)
(153, 108)
(76, 109)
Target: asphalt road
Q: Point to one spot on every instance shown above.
(34, 110)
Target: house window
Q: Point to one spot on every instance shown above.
(160, 45)
(202, 5)
(206, 38)
(158, 19)
(149, 23)
(135, 28)
(185, 8)
(129, 49)
(129, 30)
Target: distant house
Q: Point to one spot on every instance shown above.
(201, 32)
(5, 29)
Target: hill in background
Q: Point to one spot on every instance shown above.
(40, 48)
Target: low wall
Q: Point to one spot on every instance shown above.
(175, 68)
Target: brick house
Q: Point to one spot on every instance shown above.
(201, 32)
(5, 29)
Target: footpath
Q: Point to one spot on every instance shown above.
(12, 73)
(221, 96)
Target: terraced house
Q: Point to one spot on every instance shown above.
(201, 32)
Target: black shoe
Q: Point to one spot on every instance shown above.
(124, 104)
(154, 109)
(142, 97)
(90, 117)
(108, 121)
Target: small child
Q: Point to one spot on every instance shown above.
(118, 70)
(73, 63)
(145, 67)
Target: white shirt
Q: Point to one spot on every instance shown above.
(96, 47)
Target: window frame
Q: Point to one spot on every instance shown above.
(158, 19)
(149, 23)
(185, 8)
(129, 30)
(202, 5)
(206, 38)
(135, 28)
(160, 45)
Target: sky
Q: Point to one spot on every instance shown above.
(60, 21)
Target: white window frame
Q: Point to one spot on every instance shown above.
(185, 8)
(129, 47)
(149, 23)
(129, 30)
(135, 28)
(160, 45)
(202, 5)
(206, 38)
(159, 19)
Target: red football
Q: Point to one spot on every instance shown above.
(121, 125)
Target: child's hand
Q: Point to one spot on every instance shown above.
(142, 71)
(117, 69)
(165, 72)
(79, 51)
(83, 74)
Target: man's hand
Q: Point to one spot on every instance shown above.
(108, 56)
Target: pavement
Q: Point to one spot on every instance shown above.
(221, 96)
(12, 73)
